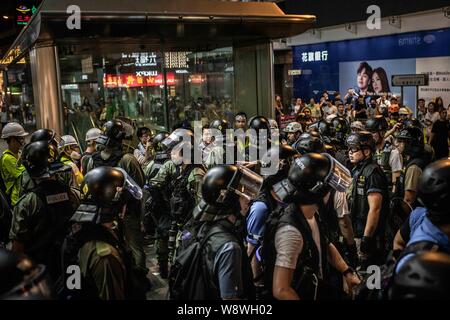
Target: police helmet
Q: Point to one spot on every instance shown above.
(36, 158)
(44, 135)
(259, 123)
(361, 140)
(377, 124)
(424, 276)
(156, 142)
(414, 140)
(434, 190)
(309, 143)
(219, 124)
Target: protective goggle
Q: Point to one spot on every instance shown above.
(245, 183)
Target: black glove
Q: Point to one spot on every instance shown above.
(351, 255)
(368, 245)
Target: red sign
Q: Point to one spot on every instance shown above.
(132, 80)
(285, 120)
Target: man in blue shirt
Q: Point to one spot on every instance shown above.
(431, 223)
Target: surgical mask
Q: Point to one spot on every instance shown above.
(75, 155)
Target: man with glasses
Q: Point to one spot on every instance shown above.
(369, 199)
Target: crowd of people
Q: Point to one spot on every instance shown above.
(358, 183)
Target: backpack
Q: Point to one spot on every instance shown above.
(362, 292)
(189, 278)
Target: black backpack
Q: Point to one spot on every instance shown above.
(362, 292)
(189, 278)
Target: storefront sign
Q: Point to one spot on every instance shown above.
(296, 72)
(132, 80)
(196, 79)
(24, 14)
(313, 56)
(410, 80)
(150, 73)
(142, 59)
(177, 60)
(13, 54)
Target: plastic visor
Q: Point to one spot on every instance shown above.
(339, 177)
(245, 184)
(173, 139)
(131, 186)
(283, 189)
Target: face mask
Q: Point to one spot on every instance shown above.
(75, 155)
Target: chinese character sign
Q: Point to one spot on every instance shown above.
(132, 80)
(314, 56)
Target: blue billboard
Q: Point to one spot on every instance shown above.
(333, 66)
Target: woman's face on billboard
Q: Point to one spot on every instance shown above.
(376, 83)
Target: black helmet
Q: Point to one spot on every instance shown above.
(283, 153)
(309, 143)
(44, 135)
(414, 140)
(259, 123)
(219, 124)
(36, 158)
(156, 142)
(223, 184)
(109, 187)
(376, 124)
(424, 276)
(113, 133)
(361, 140)
(21, 279)
(176, 137)
(308, 176)
(324, 128)
(412, 122)
(340, 126)
(434, 190)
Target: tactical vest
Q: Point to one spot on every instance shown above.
(158, 162)
(49, 224)
(359, 205)
(382, 158)
(134, 281)
(182, 201)
(112, 161)
(213, 246)
(308, 266)
(329, 217)
(421, 162)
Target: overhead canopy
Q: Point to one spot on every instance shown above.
(190, 24)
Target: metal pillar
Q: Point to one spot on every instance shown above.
(46, 88)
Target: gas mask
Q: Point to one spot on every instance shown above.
(74, 155)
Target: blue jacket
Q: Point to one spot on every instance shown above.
(422, 229)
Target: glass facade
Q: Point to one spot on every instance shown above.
(149, 88)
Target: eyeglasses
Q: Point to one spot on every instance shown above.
(354, 150)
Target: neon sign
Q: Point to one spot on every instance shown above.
(132, 80)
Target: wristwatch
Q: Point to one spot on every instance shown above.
(348, 270)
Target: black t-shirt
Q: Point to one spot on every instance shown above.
(360, 114)
(441, 130)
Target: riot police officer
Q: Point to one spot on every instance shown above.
(299, 255)
(110, 153)
(96, 243)
(383, 155)
(41, 216)
(293, 131)
(415, 159)
(369, 199)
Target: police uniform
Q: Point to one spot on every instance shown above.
(40, 221)
(11, 172)
(368, 178)
(133, 218)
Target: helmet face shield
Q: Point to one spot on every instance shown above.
(131, 186)
(176, 137)
(245, 184)
(339, 177)
(283, 189)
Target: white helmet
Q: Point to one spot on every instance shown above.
(293, 127)
(404, 111)
(357, 125)
(273, 124)
(13, 129)
(93, 134)
(67, 141)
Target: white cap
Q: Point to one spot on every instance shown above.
(93, 134)
(67, 141)
(13, 129)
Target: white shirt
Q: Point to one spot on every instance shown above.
(289, 245)
(395, 160)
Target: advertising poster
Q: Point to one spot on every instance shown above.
(438, 70)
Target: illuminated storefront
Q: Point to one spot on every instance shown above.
(151, 62)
